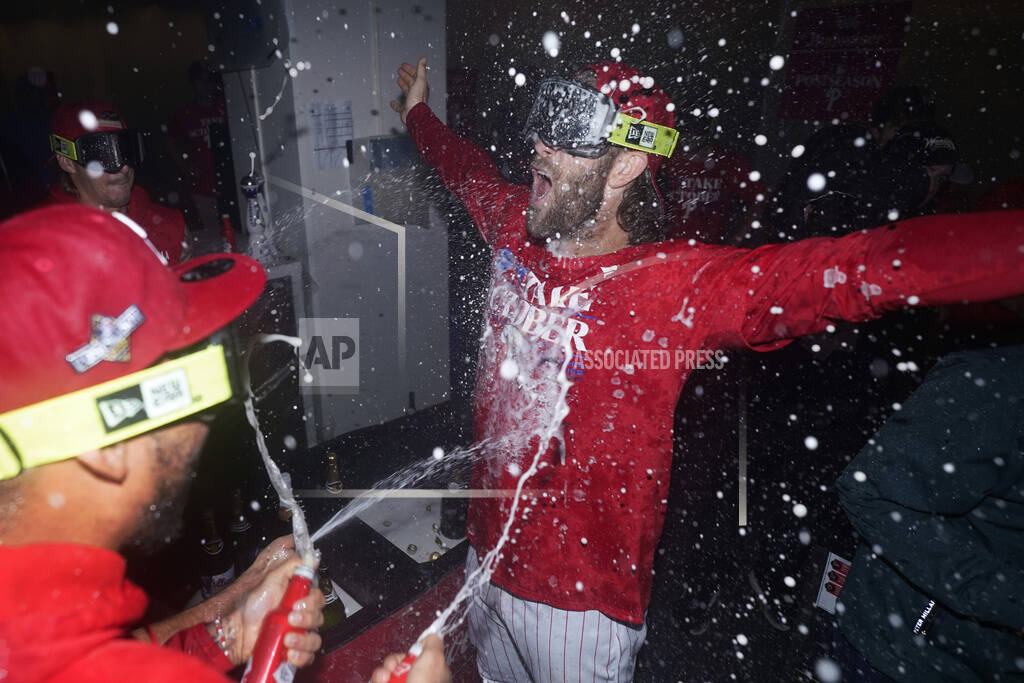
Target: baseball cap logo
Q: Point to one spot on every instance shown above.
(109, 339)
(108, 119)
(116, 411)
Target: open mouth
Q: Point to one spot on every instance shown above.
(541, 185)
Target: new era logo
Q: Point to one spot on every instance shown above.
(151, 398)
(641, 135)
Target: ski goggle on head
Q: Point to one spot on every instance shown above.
(190, 383)
(570, 116)
(111, 149)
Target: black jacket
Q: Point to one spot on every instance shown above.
(862, 188)
(937, 592)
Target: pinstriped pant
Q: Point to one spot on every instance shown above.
(521, 641)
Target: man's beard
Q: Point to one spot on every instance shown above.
(573, 216)
(164, 518)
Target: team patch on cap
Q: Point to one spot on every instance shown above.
(109, 339)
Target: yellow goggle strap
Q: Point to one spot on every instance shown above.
(64, 147)
(63, 427)
(643, 135)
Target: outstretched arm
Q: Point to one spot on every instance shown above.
(778, 292)
(464, 168)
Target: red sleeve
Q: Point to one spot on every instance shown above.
(782, 291)
(465, 169)
(196, 641)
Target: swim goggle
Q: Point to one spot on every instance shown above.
(111, 149)
(570, 116)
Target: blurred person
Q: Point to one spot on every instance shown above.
(25, 176)
(936, 589)
(106, 393)
(190, 130)
(97, 156)
(711, 193)
(578, 254)
(843, 181)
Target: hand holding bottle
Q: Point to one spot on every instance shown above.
(242, 625)
(428, 667)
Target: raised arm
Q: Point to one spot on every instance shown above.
(778, 292)
(465, 169)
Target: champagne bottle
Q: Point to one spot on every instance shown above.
(269, 660)
(334, 609)
(332, 483)
(244, 541)
(217, 569)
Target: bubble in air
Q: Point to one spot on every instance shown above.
(816, 182)
(552, 43)
(509, 369)
(827, 670)
(88, 119)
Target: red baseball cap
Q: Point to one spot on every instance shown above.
(635, 95)
(71, 120)
(72, 271)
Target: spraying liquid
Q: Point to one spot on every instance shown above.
(541, 416)
(407, 477)
(269, 660)
(303, 543)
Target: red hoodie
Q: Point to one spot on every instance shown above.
(65, 611)
(589, 524)
(164, 227)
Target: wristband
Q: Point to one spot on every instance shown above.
(220, 637)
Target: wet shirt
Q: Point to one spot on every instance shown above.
(164, 227)
(613, 339)
(65, 611)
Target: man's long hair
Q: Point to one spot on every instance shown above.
(641, 213)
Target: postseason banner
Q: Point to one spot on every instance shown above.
(842, 58)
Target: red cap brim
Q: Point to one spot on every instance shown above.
(205, 280)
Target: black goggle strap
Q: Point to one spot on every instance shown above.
(113, 411)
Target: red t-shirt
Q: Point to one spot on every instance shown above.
(164, 227)
(65, 611)
(191, 123)
(705, 194)
(639, 321)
